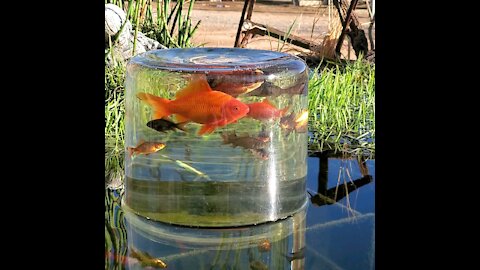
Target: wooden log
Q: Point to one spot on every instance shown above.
(351, 28)
(265, 30)
(240, 24)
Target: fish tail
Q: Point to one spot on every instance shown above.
(131, 150)
(159, 105)
(284, 111)
(206, 129)
(182, 125)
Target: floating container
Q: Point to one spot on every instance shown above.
(215, 136)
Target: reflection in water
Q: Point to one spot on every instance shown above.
(319, 239)
(326, 196)
(115, 231)
(264, 246)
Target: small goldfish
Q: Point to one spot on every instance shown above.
(246, 142)
(301, 122)
(163, 125)
(147, 260)
(270, 90)
(264, 245)
(297, 122)
(265, 110)
(237, 83)
(146, 148)
(197, 102)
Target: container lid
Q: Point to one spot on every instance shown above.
(205, 60)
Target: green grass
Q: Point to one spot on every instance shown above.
(114, 123)
(159, 21)
(172, 29)
(342, 108)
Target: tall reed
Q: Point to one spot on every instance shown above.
(154, 18)
(342, 106)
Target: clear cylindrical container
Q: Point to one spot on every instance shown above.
(216, 136)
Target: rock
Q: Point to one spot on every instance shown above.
(115, 17)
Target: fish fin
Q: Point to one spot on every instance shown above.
(180, 118)
(207, 129)
(198, 83)
(182, 125)
(284, 111)
(130, 151)
(158, 104)
(266, 101)
(255, 86)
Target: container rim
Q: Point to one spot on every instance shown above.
(212, 59)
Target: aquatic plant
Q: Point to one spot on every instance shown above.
(342, 107)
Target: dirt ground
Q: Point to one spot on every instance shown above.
(219, 23)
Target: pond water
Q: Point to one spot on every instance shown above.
(336, 230)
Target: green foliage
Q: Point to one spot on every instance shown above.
(342, 107)
(114, 122)
(159, 27)
(158, 20)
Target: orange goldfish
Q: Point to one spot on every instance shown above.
(265, 110)
(147, 260)
(301, 122)
(264, 245)
(197, 102)
(146, 148)
(297, 122)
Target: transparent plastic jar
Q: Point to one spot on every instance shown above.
(215, 136)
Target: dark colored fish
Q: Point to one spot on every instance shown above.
(246, 142)
(268, 89)
(163, 125)
(300, 254)
(236, 83)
